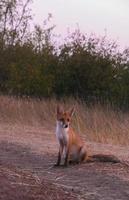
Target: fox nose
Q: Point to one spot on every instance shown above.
(66, 126)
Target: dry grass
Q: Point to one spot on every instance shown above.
(97, 123)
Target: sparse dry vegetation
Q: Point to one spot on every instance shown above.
(98, 123)
(28, 151)
(23, 185)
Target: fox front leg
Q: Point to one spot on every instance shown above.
(59, 156)
(66, 161)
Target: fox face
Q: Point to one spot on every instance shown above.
(64, 118)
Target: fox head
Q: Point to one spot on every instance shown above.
(64, 117)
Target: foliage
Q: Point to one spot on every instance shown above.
(31, 64)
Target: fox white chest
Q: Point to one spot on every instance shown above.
(62, 134)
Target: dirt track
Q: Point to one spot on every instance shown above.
(31, 152)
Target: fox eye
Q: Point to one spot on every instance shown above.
(68, 119)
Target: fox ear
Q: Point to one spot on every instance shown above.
(59, 110)
(71, 112)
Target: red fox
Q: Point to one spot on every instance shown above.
(71, 144)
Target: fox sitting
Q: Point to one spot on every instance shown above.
(71, 144)
(69, 141)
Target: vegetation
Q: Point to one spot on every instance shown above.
(32, 63)
(95, 122)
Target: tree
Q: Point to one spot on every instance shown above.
(14, 20)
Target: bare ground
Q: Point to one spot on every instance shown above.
(27, 156)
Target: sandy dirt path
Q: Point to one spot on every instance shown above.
(33, 150)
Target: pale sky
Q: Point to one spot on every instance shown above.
(92, 16)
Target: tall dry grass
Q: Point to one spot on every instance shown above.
(97, 123)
